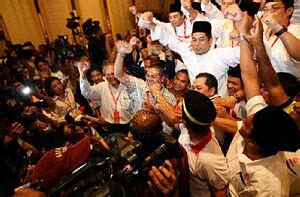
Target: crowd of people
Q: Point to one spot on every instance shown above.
(223, 80)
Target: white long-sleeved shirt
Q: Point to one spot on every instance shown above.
(102, 92)
(211, 11)
(215, 62)
(280, 59)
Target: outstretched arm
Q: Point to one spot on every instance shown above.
(187, 5)
(123, 48)
(266, 71)
(248, 67)
(211, 11)
(86, 89)
(290, 42)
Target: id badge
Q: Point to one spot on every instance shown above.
(116, 117)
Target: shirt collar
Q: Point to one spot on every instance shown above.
(198, 147)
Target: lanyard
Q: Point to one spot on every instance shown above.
(148, 98)
(113, 96)
(278, 37)
(184, 31)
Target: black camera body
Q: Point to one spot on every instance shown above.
(125, 163)
(63, 50)
(72, 23)
(90, 29)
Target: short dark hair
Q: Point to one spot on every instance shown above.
(234, 71)
(211, 80)
(48, 82)
(183, 71)
(92, 69)
(39, 59)
(287, 3)
(158, 67)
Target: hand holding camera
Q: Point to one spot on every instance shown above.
(163, 178)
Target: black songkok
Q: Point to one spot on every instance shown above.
(175, 8)
(202, 26)
(198, 109)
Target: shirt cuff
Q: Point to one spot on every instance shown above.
(255, 104)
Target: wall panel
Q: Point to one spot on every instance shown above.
(21, 21)
(54, 13)
(120, 18)
(92, 9)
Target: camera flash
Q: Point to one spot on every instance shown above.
(26, 90)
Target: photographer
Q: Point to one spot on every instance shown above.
(170, 179)
(152, 179)
(96, 38)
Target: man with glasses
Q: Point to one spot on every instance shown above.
(137, 88)
(281, 37)
(116, 108)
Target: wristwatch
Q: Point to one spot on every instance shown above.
(241, 37)
(284, 29)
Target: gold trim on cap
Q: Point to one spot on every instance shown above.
(191, 117)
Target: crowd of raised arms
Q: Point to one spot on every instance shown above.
(223, 80)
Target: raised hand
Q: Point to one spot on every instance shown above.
(123, 47)
(133, 10)
(83, 65)
(133, 41)
(147, 17)
(186, 4)
(244, 24)
(234, 13)
(256, 36)
(270, 19)
(206, 2)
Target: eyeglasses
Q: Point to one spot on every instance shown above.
(227, 3)
(152, 76)
(272, 9)
(109, 74)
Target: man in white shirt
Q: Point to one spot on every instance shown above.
(208, 167)
(283, 53)
(257, 168)
(137, 88)
(257, 165)
(116, 106)
(200, 59)
(179, 26)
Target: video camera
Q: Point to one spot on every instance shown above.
(72, 23)
(90, 29)
(63, 50)
(120, 160)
